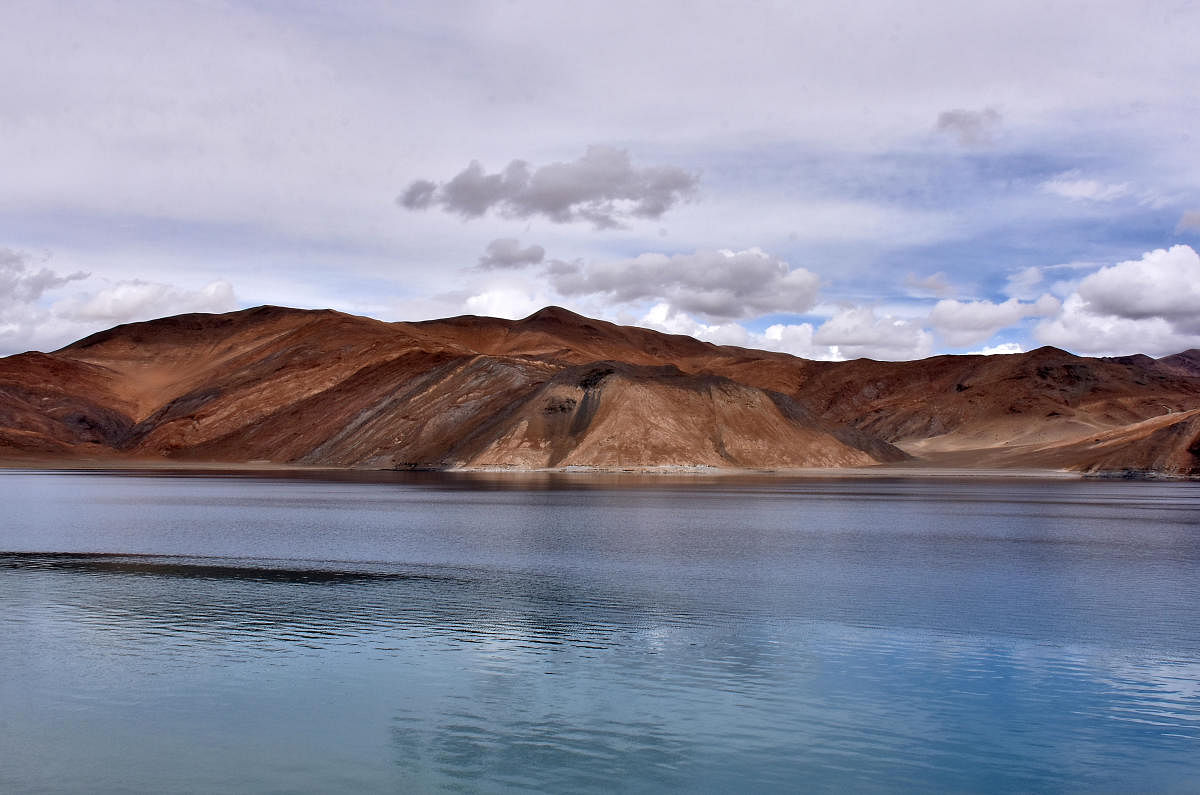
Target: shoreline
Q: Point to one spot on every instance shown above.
(913, 470)
(201, 468)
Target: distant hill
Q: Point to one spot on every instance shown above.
(557, 389)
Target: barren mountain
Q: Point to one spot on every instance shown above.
(556, 389)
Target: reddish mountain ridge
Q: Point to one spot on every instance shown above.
(557, 389)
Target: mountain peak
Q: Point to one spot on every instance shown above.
(554, 314)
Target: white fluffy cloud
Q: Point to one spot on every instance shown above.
(1150, 305)
(857, 332)
(141, 300)
(796, 339)
(850, 333)
(971, 322)
(1163, 283)
(32, 317)
(663, 318)
(1080, 330)
(716, 285)
(1003, 348)
(506, 302)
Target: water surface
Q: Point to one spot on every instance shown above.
(597, 633)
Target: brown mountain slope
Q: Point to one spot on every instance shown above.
(937, 405)
(255, 358)
(55, 406)
(974, 402)
(1169, 443)
(613, 415)
(558, 389)
(1186, 363)
(325, 388)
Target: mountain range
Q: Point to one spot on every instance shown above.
(556, 390)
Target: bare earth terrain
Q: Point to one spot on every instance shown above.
(274, 386)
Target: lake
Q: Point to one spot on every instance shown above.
(576, 633)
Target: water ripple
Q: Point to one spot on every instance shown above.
(944, 637)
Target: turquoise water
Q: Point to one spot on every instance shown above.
(597, 633)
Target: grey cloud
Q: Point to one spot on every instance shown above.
(418, 196)
(25, 322)
(22, 282)
(473, 192)
(971, 127)
(1189, 222)
(602, 187)
(506, 252)
(719, 285)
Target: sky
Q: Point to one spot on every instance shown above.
(884, 179)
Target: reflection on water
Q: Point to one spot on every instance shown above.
(234, 634)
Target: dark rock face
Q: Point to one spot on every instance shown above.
(559, 389)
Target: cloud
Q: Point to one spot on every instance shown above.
(506, 302)
(1071, 185)
(1189, 222)
(851, 333)
(23, 281)
(1082, 331)
(1003, 348)
(506, 252)
(135, 299)
(717, 285)
(1163, 283)
(971, 127)
(971, 322)
(25, 320)
(796, 339)
(29, 319)
(857, 332)
(1059, 280)
(418, 195)
(672, 321)
(1148, 305)
(602, 187)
